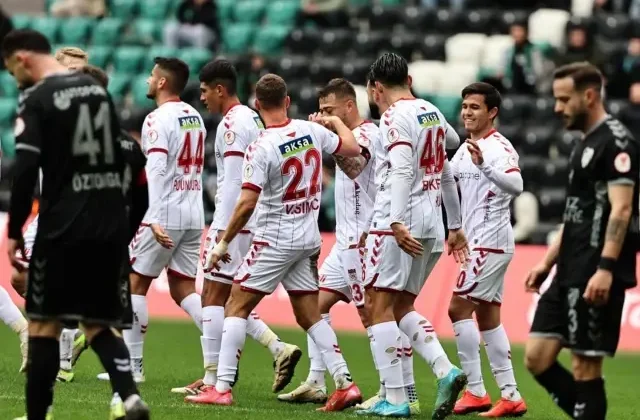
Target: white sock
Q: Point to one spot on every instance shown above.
(134, 338)
(67, 337)
(10, 314)
(426, 343)
(407, 368)
(317, 368)
(382, 392)
(259, 331)
(212, 322)
(388, 351)
(234, 334)
(499, 352)
(327, 343)
(192, 305)
(468, 342)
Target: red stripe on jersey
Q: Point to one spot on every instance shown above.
(399, 143)
(252, 187)
(339, 145)
(159, 150)
(508, 171)
(233, 153)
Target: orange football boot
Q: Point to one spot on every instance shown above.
(470, 403)
(342, 399)
(209, 395)
(506, 408)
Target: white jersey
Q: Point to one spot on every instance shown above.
(238, 129)
(173, 139)
(411, 157)
(486, 216)
(285, 166)
(355, 197)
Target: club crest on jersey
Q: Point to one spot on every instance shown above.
(393, 135)
(295, 146)
(587, 154)
(622, 162)
(189, 123)
(429, 119)
(152, 136)
(248, 172)
(229, 137)
(258, 122)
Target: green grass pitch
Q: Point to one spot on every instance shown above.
(173, 357)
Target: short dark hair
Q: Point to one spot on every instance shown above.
(178, 71)
(220, 72)
(97, 73)
(370, 79)
(390, 69)
(271, 91)
(340, 87)
(25, 39)
(491, 95)
(583, 74)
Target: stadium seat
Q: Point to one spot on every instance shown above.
(370, 43)
(506, 18)
(145, 31)
(292, 66)
(335, 41)
(21, 21)
(391, 2)
(432, 47)
(269, 39)
(537, 140)
(195, 58)
(449, 105)
(299, 40)
(48, 26)
(249, 10)
(515, 108)
(325, 68)
(384, 17)
(555, 172)
(456, 77)
(543, 111)
(530, 167)
(225, 10)
(282, 12)
(362, 101)
(7, 111)
(465, 48)
(548, 25)
(565, 141)
(479, 21)
(119, 85)
(447, 22)
(616, 106)
(128, 59)
(75, 31)
(582, 8)
(157, 50)
(513, 132)
(612, 26)
(308, 100)
(8, 85)
(123, 9)
(107, 31)
(417, 18)
(138, 90)
(100, 56)
(355, 70)
(495, 51)
(154, 9)
(237, 37)
(426, 76)
(405, 43)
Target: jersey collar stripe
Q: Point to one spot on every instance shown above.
(233, 153)
(284, 124)
(158, 150)
(490, 133)
(231, 107)
(253, 187)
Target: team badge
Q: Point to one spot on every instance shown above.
(229, 137)
(18, 127)
(622, 162)
(393, 135)
(248, 172)
(513, 161)
(587, 154)
(152, 136)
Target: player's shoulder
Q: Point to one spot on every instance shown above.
(59, 90)
(614, 129)
(500, 143)
(240, 118)
(367, 133)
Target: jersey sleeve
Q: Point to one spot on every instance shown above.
(621, 161)
(154, 135)
(398, 133)
(506, 159)
(330, 142)
(255, 168)
(28, 129)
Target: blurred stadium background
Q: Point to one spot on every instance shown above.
(449, 43)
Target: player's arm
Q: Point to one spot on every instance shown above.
(155, 144)
(452, 139)
(503, 171)
(233, 156)
(345, 144)
(450, 197)
(353, 166)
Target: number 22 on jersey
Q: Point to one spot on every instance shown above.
(187, 157)
(294, 166)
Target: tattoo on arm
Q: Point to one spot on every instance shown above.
(616, 230)
(351, 166)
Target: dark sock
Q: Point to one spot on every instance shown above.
(560, 385)
(114, 356)
(44, 360)
(591, 400)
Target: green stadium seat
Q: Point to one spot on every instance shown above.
(225, 10)
(100, 55)
(195, 58)
(107, 31)
(158, 51)
(119, 85)
(128, 59)
(282, 12)
(154, 9)
(7, 111)
(48, 26)
(147, 31)
(8, 143)
(270, 38)
(8, 85)
(75, 31)
(249, 10)
(237, 37)
(392, 2)
(21, 21)
(123, 9)
(449, 106)
(138, 92)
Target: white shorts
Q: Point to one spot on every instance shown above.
(29, 238)
(265, 267)
(482, 279)
(238, 249)
(390, 268)
(342, 272)
(148, 257)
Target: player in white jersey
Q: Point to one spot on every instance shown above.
(488, 176)
(282, 178)
(413, 180)
(239, 128)
(173, 138)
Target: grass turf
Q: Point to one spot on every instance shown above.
(173, 358)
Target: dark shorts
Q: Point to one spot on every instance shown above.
(587, 330)
(79, 281)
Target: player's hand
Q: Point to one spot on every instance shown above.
(316, 117)
(536, 276)
(14, 246)
(476, 153)
(405, 241)
(458, 246)
(161, 236)
(597, 292)
(213, 259)
(362, 243)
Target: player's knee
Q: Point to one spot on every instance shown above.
(19, 282)
(180, 289)
(364, 316)
(215, 293)
(305, 319)
(586, 368)
(460, 309)
(536, 359)
(138, 284)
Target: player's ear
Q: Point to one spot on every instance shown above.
(493, 113)
(162, 82)
(256, 103)
(409, 81)
(287, 102)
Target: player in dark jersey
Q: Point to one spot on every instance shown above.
(595, 255)
(83, 221)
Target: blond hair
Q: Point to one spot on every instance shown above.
(72, 52)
